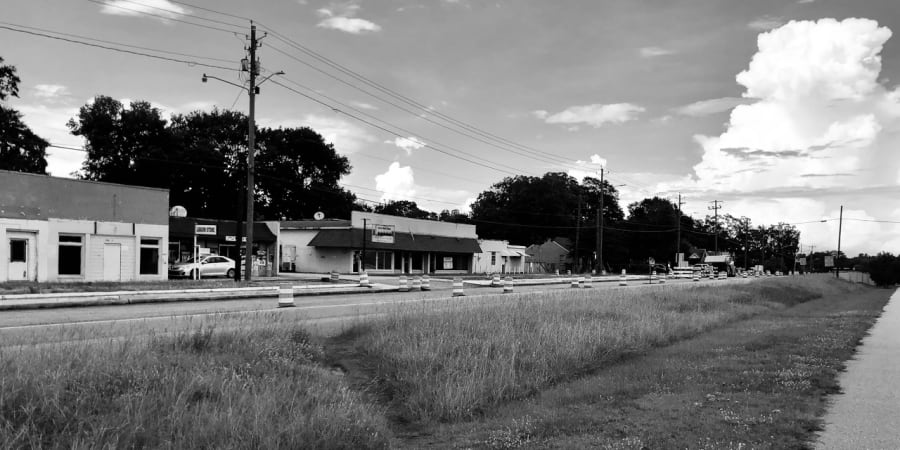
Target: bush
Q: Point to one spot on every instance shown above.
(885, 269)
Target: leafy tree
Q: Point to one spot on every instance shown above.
(884, 269)
(20, 149)
(201, 158)
(404, 208)
(652, 229)
(122, 143)
(299, 174)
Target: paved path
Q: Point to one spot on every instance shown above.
(867, 414)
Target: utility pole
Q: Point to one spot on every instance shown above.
(678, 237)
(577, 233)
(837, 267)
(362, 263)
(251, 150)
(746, 232)
(717, 204)
(600, 227)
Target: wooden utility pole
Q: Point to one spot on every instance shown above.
(577, 233)
(251, 150)
(678, 237)
(837, 267)
(717, 204)
(600, 227)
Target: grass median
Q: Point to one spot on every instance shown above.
(750, 362)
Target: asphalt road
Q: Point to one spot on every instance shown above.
(323, 314)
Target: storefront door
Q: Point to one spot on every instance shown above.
(22, 256)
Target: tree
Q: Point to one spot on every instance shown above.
(123, 144)
(404, 208)
(20, 149)
(652, 228)
(884, 269)
(201, 158)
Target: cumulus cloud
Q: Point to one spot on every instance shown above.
(342, 18)
(158, 9)
(765, 23)
(711, 106)
(651, 52)
(397, 183)
(595, 115)
(409, 144)
(589, 168)
(50, 91)
(819, 121)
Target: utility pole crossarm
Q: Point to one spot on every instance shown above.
(716, 206)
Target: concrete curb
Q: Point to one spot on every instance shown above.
(78, 299)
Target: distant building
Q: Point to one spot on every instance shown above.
(499, 257)
(61, 229)
(383, 243)
(550, 256)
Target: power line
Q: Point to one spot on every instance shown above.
(104, 3)
(75, 41)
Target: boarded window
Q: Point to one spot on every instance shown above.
(18, 248)
(149, 256)
(70, 247)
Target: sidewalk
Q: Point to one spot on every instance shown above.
(867, 414)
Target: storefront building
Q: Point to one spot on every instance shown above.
(61, 229)
(220, 237)
(499, 257)
(391, 244)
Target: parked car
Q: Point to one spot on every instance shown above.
(209, 266)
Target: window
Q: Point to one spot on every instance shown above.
(17, 250)
(70, 247)
(149, 256)
(384, 260)
(493, 258)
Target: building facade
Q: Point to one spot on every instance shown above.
(220, 237)
(60, 229)
(549, 257)
(499, 257)
(384, 244)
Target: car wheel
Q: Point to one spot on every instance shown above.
(230, 273)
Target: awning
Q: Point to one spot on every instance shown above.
(402, 241)
(183, 227)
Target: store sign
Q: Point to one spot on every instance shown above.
(829, 261)
(448, 263)
(205, 229)
(234, 238)
(383, 234)
(802, 261)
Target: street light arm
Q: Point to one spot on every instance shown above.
(205, 77)
(280, 72)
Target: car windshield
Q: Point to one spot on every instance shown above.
(188, 261)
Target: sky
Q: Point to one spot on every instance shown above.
(783, 110)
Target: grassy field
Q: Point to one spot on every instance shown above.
(733, 365)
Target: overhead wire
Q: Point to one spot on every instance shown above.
(121, 50)
(137, 11)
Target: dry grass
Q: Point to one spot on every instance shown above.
(255, 387)
(454, 363)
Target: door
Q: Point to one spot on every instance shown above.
(112, 262)
(18, 259)
(22, 254)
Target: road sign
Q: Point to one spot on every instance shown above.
(651, 261)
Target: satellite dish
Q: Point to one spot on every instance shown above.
(178, 211)
(319, 215)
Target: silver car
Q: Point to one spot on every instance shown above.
(209, 266)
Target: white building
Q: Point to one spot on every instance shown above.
(386, 244)
(60, 229)
(499, 257)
